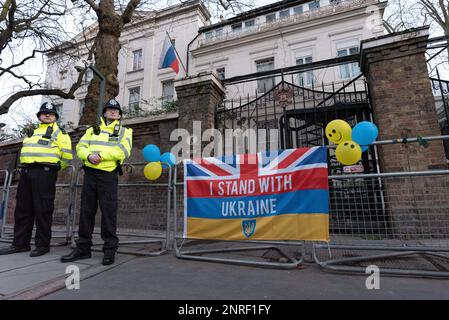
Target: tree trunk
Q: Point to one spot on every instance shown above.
(107, 47)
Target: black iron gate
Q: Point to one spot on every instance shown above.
(292, 115)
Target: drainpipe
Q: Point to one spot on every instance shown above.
(188, 54)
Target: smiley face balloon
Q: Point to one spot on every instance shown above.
(348, 153)
(338, 131)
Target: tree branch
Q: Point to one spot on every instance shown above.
(93, 5)
(129, 10)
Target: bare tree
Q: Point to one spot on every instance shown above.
(406, 14)
(44, 28)
(30, 29)
(112, 17)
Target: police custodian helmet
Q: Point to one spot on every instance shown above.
(48, 107)
(114, 105)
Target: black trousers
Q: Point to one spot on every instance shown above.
(99, 186)
(35, 201)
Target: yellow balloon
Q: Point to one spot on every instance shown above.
(338, 131)
(152, 170)
(348, 152)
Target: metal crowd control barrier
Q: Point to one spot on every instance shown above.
(60, 224)
(289, 262)
(4, 203)
(136, 221)
(396, 221)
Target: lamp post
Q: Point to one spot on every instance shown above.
(102, 90)
(83, 65)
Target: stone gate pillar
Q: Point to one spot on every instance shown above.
(404, 106)
(198, 97)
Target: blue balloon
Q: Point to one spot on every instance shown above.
(151, 153)
(364, 133)
(167, 158)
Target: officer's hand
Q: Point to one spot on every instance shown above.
(94, 159)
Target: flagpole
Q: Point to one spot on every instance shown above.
(176, 51)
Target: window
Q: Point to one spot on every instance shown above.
(305, 78)
(298, 10)
(209, 35)
(284, 14)
(334, 2)
(82, 104)
(88, 75)
(314, 5)
(250, 23)
(63, 74)
(58, 109)
(221, 73)
(351, 69)
(219, 32)
(168, 90)
(137, 59)
(264, 85)
(236, 27)
(270, 17)
(134, 100)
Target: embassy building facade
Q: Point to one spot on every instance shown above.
(279, 35)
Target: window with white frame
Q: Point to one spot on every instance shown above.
(348, 70)
(134, 100)
(221, 73)
(250, 23)
(168, 91)
(82, 104)
(58, 109)
(314, 5)
(270, 17)
(88, 75)
(283, 14)
(305, 78)
(137, 59)
(219, 32)
(236, 27)
(298, 10)
(264, 85)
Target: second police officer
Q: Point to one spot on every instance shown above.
(102, 149)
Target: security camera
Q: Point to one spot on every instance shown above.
(80, 65)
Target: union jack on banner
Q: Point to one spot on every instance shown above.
(266, 163)
(281, 195)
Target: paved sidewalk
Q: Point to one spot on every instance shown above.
(166, 277)
(23, 277)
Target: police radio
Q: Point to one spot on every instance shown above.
(47, 135)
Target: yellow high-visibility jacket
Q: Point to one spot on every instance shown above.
(53, 150)
(110, 148)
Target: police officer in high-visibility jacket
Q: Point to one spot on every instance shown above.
(45, 151)
(103, 149)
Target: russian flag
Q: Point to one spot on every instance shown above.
(168, 56)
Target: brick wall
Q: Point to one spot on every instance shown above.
(404, 106)
(140, 207)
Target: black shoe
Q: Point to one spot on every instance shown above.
(13, 249)
(76, 255)
(108, 259)
(39, 251)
